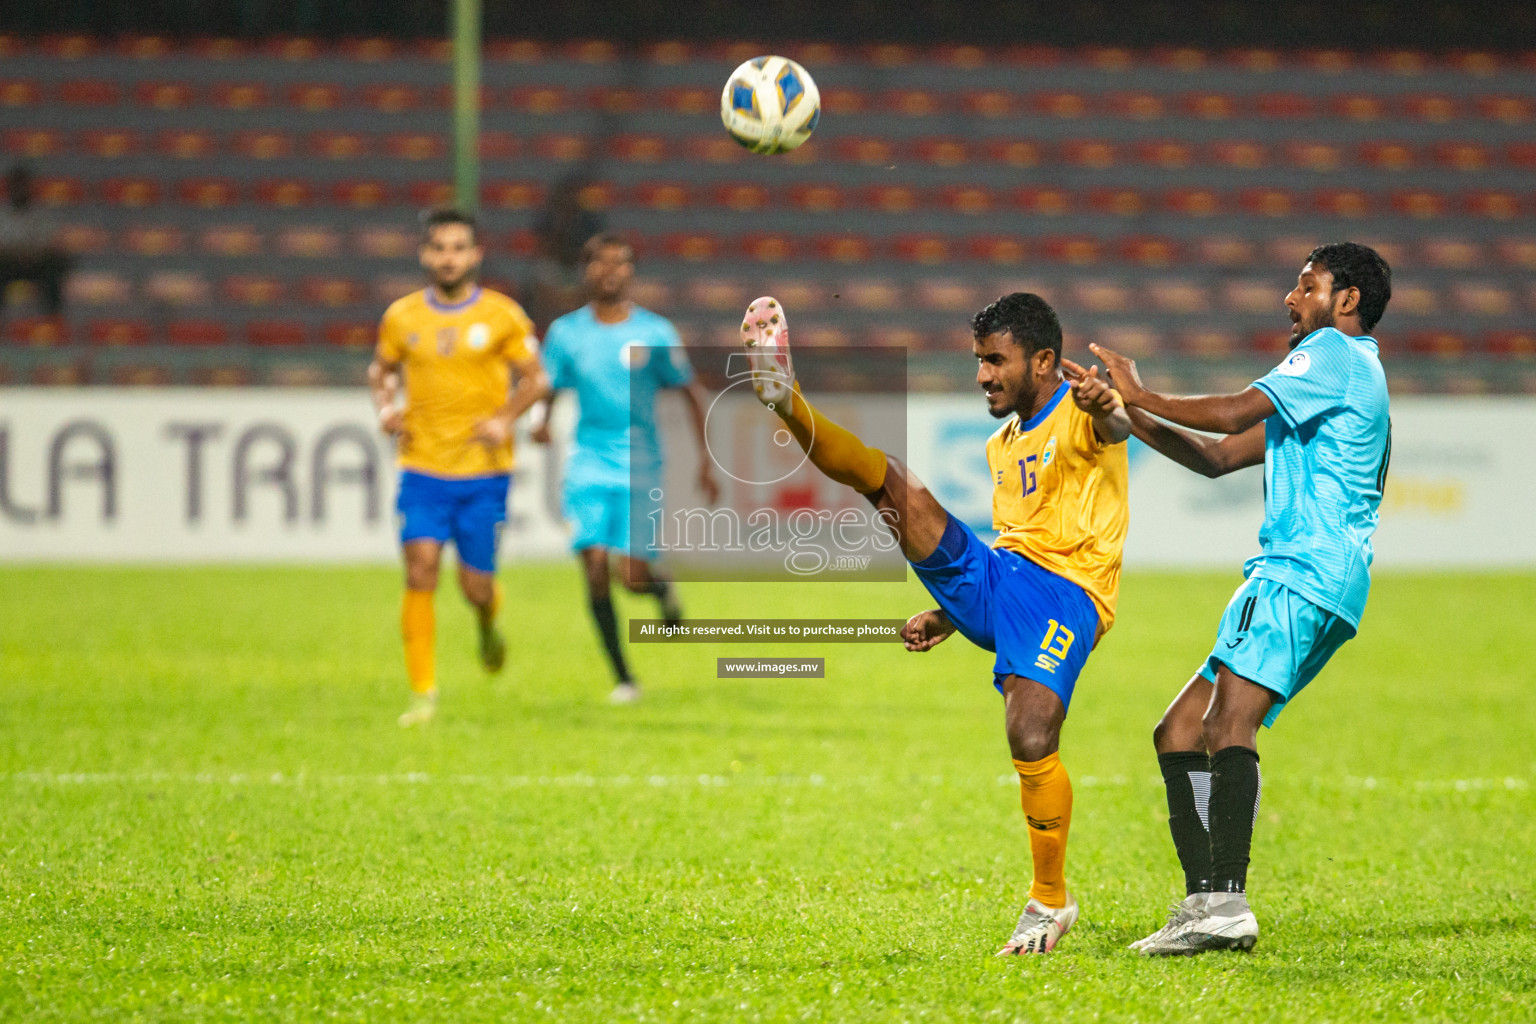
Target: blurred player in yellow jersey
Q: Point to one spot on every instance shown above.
(456, 349)
(1044, 594)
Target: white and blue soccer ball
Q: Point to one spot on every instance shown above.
(770, 105)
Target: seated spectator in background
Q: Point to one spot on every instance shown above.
(28, 250)
(556, 279)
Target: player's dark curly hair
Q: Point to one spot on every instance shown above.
(1027, 317)
(597, 243)
(440, 215)
(1358, 266)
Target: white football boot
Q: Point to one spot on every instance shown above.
(765, 332)
(1225, 921)
(423, 708)
(1179, 915)
(624, 693)
(1040, 928)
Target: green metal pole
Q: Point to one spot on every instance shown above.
(466, 104)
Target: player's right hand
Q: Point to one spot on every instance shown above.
(926, 630)
(391, 420)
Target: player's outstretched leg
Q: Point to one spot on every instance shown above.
(418, 628)
(594, 563)
(485, 594)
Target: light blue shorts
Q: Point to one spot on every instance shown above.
(1273, 636)
(605, 516)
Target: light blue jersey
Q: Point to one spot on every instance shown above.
(615, 370)
(1325, 463)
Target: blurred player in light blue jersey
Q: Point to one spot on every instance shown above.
(616, 356)
(1319, 424)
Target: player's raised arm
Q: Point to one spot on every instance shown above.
(1208, 456)
(1221, 414)
(1094, 396)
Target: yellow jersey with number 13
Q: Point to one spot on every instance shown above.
(456, 367)
(1060, 498)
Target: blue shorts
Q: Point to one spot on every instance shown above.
(468, 511)
(611, 517)
(1041, 625)
(1273, 636)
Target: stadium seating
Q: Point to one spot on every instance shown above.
(220, 193)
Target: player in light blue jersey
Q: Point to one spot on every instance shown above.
(1319, 424)
(616, 356)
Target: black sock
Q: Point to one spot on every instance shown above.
(608, 629)
(1187, 776)
(1235, 788)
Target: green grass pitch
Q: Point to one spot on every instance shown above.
(208, 812)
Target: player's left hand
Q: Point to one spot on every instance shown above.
(493, 431)
(1091, 392)
(1122, 373)
(926, 630)
(708, 484)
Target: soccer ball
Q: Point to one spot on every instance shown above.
(770, 105)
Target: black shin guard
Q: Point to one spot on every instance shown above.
(1235, 788)
(608, 629)
(1187, 777)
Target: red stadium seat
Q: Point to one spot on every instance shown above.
(1358, 107)
(1270, 341)
(227, 376)
(1311, 155)
(1404, 63)
(34, 142)
(911, 102)
(292, 48)
(926, 249)
(131, 192)
(543, 100)
(384, 242)
(1117, 202)
(1131, 339)
(339, 145)
(239, 95)
(38, 331)
(430, 193)
(1344, 202)
(54, 191)
(1017, 153)
(263, 145)
(742, 197)
(288, 193)
(950, 295)
(392, 99)
(1000, 249)
(592, 51)
(654, 294)
(1480, 64)
(1511, 344)
(1193, 202)
(1178, 296)
(1268, 202)
(1450, 253)
(817, 198)
(770, 248)
(871, 152)
(1209, 106)
(516, 51)
(109, 145)
(1253, 296)
(1328, 62)
(839, 102)
(722, 295)
(669, 52)
(85, 239)
(943, 152)
(1046, 202)
(89, 92)
(147, 240)
(969, 200)
(1076, 250)
(878, 293)
(1438, 344)
(844, 248)
(1094, 295)
(1185, 59)
(716, 148)
(1169, 154)
(690, 101)
(1420, 204)
(16, 92)
(993, 104)
(164, 95)
(1094, 154)
(615, 100)
(1285, 105)
(1208, 343)
(692, 247)
(512, 195)
(98, 288)
(1388, 156)
(145, 47)
(666, 196)
(892, 198)
(500, 146)
(1463, 156)
(1514, 110)
(252, 289)
(315, 97)
(1522, 155)
(313, 241)
(352, 334)
(217, 48)
(416, 146)
(1150, 250)
(1483, 298)
(1137, 106)
(274, 333)
(1519, 253)
(1432, 109)
(369, 49)
(177, 288)
(1064, 105)
(118, 332)
(68, 47)
(181, 144)
(1224, 251)
(570, 148)
(1240, 155)
(207, 193)
(140, 375)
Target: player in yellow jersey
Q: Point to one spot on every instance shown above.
(1045, 593)
(456, 349)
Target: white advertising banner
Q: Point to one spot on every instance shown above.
(303, 475)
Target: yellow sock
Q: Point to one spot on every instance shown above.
(834, 450)
(1046, 793)
(418, 624)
